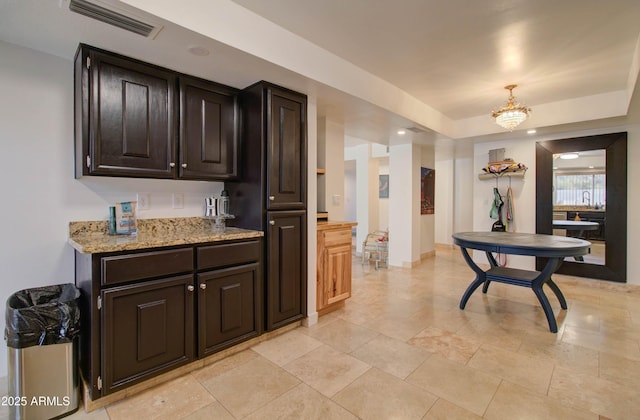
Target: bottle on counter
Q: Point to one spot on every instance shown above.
(223, 203)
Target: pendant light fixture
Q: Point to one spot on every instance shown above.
(512, 114)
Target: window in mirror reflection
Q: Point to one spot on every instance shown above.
(579, 188)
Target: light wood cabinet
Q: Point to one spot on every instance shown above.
(334, 265)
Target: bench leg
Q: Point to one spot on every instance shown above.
(556, 290)
(551, 319)
(493, 263)
(472, 288)
(481, 278)
(538, 282)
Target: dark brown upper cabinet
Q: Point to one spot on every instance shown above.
(130, 122)
(209, 121)
(286, 157)
(125, 118)
(273, 174)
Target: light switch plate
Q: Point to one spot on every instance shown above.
(143, 201)
(177, 200)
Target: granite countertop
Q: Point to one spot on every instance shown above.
(93, 237)
(331, 224)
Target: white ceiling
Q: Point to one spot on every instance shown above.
(454, 56)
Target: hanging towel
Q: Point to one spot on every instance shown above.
(497, 204)
(509, 206)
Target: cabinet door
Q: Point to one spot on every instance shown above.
(147, 328)
(132, 118)
(228, 307)
(209, 121)
(286, 292)
(286, 154)
(337, 273)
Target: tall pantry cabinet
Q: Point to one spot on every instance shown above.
(271, 194)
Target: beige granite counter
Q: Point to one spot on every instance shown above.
(93, 237)
(331, 224)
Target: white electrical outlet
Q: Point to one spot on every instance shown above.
(177, 200)
(143, 201)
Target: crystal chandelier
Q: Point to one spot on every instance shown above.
(512, 114)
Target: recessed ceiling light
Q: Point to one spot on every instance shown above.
(199, 51)
(401, 132)
(568, 156)
(532, 131)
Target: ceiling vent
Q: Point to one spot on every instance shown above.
(416, 129)
(111, 17)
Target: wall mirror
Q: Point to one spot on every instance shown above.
(581, 191)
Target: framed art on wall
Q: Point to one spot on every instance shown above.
(427, 190)
(383, 186)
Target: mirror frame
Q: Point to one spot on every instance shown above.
(615, 146)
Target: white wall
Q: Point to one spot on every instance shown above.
(524, 192)
(366, 191)
(312, 205)
(405, 230)
(41, 195)
(444, 204)
(463, 190)
(633, 202)
(523, 150)
(334, 164)
(350, 212)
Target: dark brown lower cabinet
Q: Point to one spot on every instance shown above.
(228, 307)
(286, 291)
(142, 316)
(147, 329)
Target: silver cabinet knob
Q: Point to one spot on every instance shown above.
(190, 288)
(271, 198)
(184, 165)
(272, 222)
(172, 164)
(203, 286)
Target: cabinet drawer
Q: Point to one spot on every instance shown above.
(131, 267)
(215, 256)
(337, 237)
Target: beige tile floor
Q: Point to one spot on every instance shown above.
(401, 349)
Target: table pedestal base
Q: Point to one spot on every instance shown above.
(531, 279)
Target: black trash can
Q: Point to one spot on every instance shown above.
(42, 327)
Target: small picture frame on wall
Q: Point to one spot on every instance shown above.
(383, 186)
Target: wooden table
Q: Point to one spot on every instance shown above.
(554, 248)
